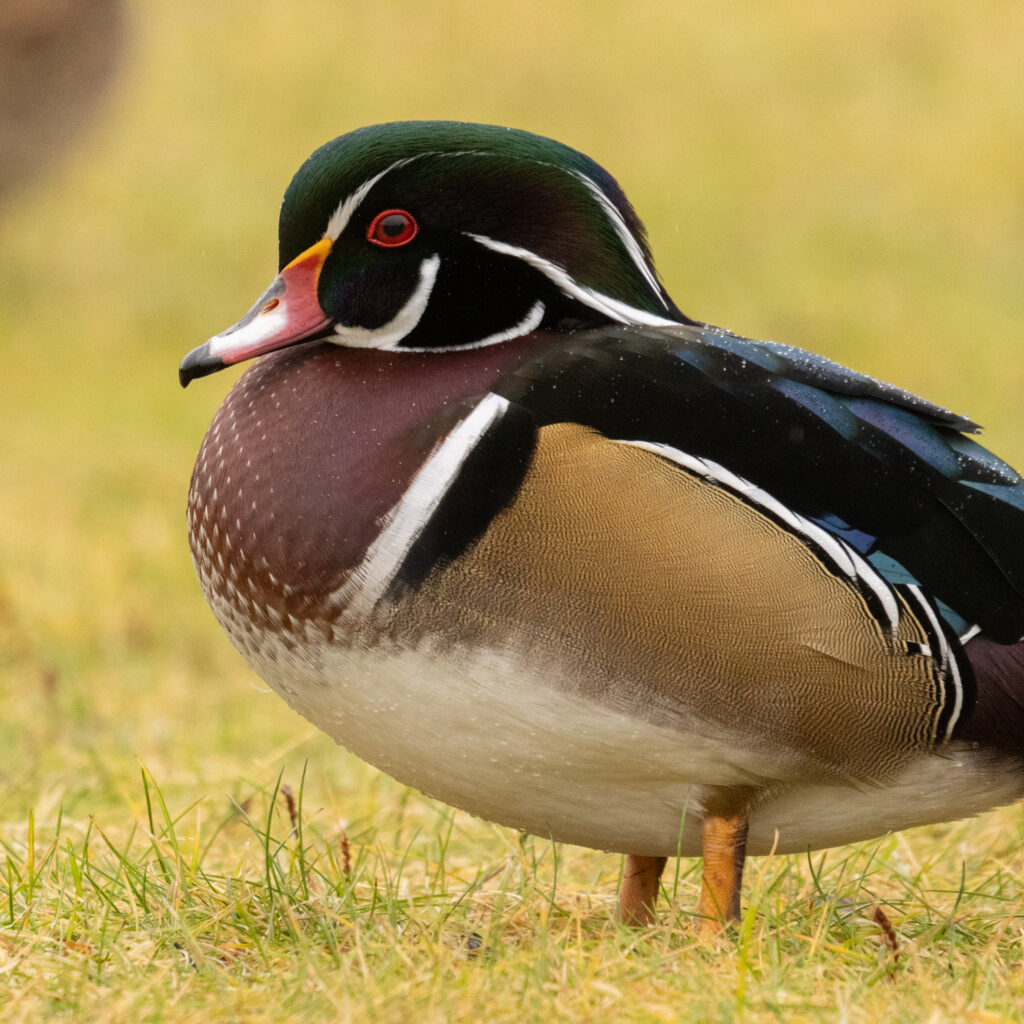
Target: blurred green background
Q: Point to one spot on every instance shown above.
(844, 177)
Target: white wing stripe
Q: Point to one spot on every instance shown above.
(848, 561)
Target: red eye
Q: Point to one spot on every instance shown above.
(392, 227)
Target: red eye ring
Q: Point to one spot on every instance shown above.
(391, 228)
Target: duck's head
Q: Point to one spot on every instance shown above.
(442, 235)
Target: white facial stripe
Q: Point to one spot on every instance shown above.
(343, 214)
(405, 320)
(612, 308)
(405, 522)
(628, 238)
(348, 206)
(529, 323)
(846, 559)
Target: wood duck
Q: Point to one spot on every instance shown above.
(498, 517)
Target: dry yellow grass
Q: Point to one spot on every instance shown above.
(844, 177)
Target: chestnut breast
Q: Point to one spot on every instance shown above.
(310, 449)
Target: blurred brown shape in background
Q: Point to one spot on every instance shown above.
(57, 58)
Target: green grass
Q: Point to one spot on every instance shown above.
(841, 177)
(260, 905)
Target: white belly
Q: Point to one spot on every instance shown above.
(493, 739)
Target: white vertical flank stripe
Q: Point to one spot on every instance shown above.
(406, 521)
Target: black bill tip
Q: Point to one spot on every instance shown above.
(199, 363)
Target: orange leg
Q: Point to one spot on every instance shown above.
(639, 891)
(724, 840)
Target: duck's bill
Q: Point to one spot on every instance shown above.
(286, 313)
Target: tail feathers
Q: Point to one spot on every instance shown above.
(998, 718)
